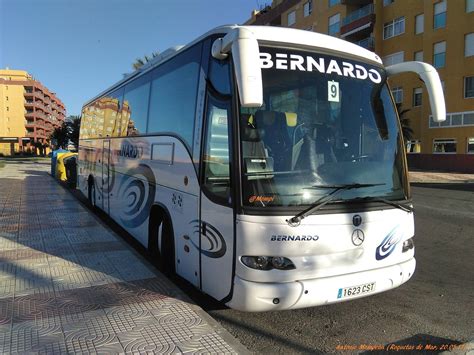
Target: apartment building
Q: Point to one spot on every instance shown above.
(29, 113)
(437, 32)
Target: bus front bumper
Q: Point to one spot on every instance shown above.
(259, 297)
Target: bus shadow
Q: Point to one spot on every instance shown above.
(204, 301)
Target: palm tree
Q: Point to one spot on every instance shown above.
(142, 61)
(407, 131)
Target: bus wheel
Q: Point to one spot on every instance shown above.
(161, 242)
(91, 193)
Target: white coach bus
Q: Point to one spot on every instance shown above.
(264, 165)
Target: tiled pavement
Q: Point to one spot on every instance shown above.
(69, 285)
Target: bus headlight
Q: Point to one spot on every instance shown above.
(268, 262)
(407, 245)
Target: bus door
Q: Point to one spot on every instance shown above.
(216, 217)
(105, 175)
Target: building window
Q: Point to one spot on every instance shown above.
(398, 94)
(418, 56)
(419, 23)
(334, 2)
(468, 87)
(394, 58)
(439, 55)
(439, 20)
(470, 145)
(444, 146)
(394, 28)
(291, 18)
(469, 45)
(454, 119)
(469, 6)
(334, 22)
(413, 146)
(387, 2)
(417, 95)
(308, 8)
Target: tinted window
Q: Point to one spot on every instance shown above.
(104, 117)
(173, 95)
(136, 103)
(216, 157)
(219, 76)
(116, 114)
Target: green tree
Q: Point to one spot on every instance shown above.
(407, 131)
(139, 62)
(59, 137)
(74, 129)
(67, 133)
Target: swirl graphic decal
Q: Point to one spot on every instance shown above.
(96, 169)
(137, 190)
(388, 245)
(212, 242)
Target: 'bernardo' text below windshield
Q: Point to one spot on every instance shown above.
(326, 120)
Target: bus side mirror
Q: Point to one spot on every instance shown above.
(246, 57)
(430, 77)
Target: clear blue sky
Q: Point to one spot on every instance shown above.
(77, 48)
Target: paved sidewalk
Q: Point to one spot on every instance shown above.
(440, 177)
(68, 284)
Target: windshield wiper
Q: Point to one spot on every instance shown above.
(403, 206)
(323, 201)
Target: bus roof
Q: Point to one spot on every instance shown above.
(268, 34)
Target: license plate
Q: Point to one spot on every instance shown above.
(355, 290)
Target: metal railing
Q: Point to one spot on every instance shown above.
(368, 43)
(358, 14)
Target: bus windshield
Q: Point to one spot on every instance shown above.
(326, 121)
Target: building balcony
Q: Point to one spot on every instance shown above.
(356, 2)
(37, 104)
(367, 43)
(357, 21)
(30, 95)
(35, 114)
(272, 16)
(37, 134)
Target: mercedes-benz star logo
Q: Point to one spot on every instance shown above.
(357, 237)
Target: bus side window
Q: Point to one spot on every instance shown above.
(216, 159)
(135, 103)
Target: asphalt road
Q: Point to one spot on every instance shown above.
(435, 308)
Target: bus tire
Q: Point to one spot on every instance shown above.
(161, 241)
(91, 192)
